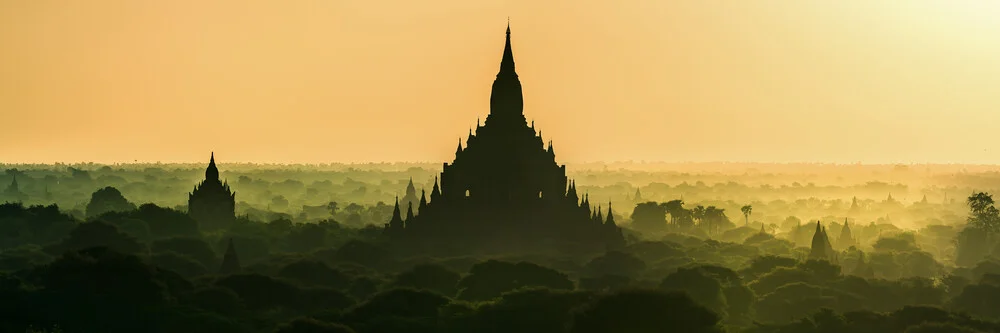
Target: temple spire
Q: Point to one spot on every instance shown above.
(395, 210)
(212, 172)
(436, 191)
(423, 201)
(409, 212)
(230, 261)
(611, 215)
(507, 63)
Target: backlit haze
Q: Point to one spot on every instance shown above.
(372, 80)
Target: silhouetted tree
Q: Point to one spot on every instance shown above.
(194, 248)
(616, 263)
(97, 234)
(309, 325)
(431, 277)
(230, 260)
(107, 199)
(315, 273)
(490, 279)
(649, 216)
(645, 312)
(746, 210)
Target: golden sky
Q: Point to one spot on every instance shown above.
(376, 80)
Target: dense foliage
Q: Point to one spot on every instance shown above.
(126, 257)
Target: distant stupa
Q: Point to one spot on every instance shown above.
(13, 191)
(862, 268)
(410, 198)
(230, 262)
(846, 239)
(855, 209)
(821, 248)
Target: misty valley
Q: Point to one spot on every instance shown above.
(710, 247)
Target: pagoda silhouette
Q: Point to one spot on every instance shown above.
(504, 192)
(212, 203)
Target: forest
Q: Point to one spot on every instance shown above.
(710, 247)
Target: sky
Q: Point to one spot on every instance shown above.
(316, 81)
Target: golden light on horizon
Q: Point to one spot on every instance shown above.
(323, 81)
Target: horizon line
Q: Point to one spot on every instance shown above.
(635, 162)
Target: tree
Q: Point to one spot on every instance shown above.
(983, 215)
(487, 280)
(96, 234)
(431, 277)
(700, 286)
(713, 218)
(675, 208)
(166, 222)
(98, 289)
(747, 210)
(698, 213)
(107, 199)
(261, 292)
(529, 310)
(304, 237)
(309, 325)
(315, 273)
(616, 263)
(192, 247)
(333, 206)
(649, 216)
(399, 310)
(641, 311)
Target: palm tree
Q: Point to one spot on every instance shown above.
(675, 208)
(746, 213)
(714, 217)
(698, 213)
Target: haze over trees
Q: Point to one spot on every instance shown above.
(878, 264)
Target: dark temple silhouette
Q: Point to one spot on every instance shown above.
(212, 203)
(504, 191)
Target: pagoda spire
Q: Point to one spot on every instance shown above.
(396, 222)
(423, 201)
(395, 210)
(611, 215)
(212, 172)
(507, 63)
(436, 191)
(506, 99)
(230, 261)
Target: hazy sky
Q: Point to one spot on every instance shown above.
(375, 80)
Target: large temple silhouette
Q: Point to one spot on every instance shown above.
(212, 203)
(504, 191)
